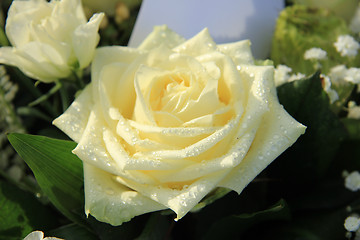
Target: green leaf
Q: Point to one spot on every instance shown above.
(353, 128)
(21, 213)
(232, 227)
(57, 170)
(71, 232)
(210, 198)
(310, 225)
(156, 228)
(126, 231)
(314, 152)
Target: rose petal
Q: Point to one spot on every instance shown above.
(277, 132)
(180, 201)
(112, 202)
(91, 149)
(126, 162)
(65, 7)
(118, 65)
(199, 169)
(85, 39)
(20, 15)
(33, 65)
(240, 52)
(201, 43)
(230, 84)
(199, 147)
(161, 35)
(74, 120)
(41, 33)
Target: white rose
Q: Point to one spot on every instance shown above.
(163, 125)
(50, 39)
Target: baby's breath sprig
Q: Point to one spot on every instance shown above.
(12, 166)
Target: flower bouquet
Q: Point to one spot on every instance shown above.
(176, 138)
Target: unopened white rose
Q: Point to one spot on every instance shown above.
(50, 39)
(163, 125)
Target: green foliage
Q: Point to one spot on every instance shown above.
(306, 101)
(71, 232)
(58, 171)
(21, 213)
(300, 28)
(232, 227)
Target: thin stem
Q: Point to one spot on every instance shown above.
(29, 85)
(79, 80)
(44, 97)
(64, 98)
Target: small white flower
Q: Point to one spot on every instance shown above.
(355, 21)
(315, 53)
(353, 110)
(296, 76)
(347, 46)
(333, 96)
(337, 74)
(353, 75)
(352, 223)
(282, 74)
(340, 74)
(352, 181)
(38, 235)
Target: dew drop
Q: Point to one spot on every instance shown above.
(109, 191)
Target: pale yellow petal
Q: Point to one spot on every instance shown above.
(91, 149)
(85, 38)
(277, 132)
(112, 202)
(20, 14)
(32, 60)
(240, 52)
(227, 160)
(161, 35)
(202, 43)
(181, 201)
(199, 147)
(74, 120)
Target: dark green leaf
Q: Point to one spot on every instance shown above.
(353, 127)
(126, 231)
(71, 232)
(210, 198)
(58, 171)
(232, 227)
(314, 152)
(21, 213)
(156, 228)
(310, 225)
